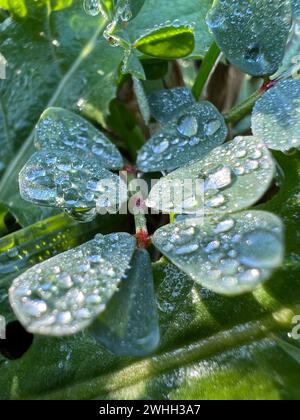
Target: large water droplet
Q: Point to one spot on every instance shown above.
(83, 216)
(216, 201)
(161, 147)
(92, 7)
(211, 127)
(224, 226)
(260, 249)
(187, 249)
(219, 178)
(188, 126)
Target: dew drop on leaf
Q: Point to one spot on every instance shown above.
(228, 255)
(65, 293)
(92, 7)
(186, 136)
(275, 117)
(188, 126)
(251, 34)
(260, 249)
(166, 104)
(129, 325)
(50, 178)
(234, 176)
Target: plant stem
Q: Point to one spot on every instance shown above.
(140, 223)
(244, 108)
(142, 235)
(207, 66)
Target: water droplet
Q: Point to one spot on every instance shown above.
(83, 313)
(212, 246)
(65, 281)
(64, 317)
(218, 178)
(257, 154)
(260, 249)
(194, 141)
(188, 126)
(187, 249)
(216, 201)
(229, 267)
(251, 165)
(35, 308)
(82, 215)
(13, 252)
(224, 226)
(92, 7)
(241, 153)
(161, 147)
(249, 276)
(211, 127)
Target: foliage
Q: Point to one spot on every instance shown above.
(210, 318)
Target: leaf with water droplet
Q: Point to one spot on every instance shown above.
(191, 134)
(62, 179)
(167, 103)
(251, 34)
(168, 42)
(232, 177)
(127, 9)
(155, 15)
(63, 295)
(49, 78)
(229, 255)
(129, 326)
(59, 129)
(275, 117)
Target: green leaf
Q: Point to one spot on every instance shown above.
(49, 298)
(192, 133)
(175, 13)
(70, 180)
(27, 247)
(235, 176)
(168, 42)
(129, 325)
(154, 68)
(21, 8)
(59, 129)
(74, 59)
(167, 103)
(251, 34)
(275, 117)
(211, 346)
(228, 255)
